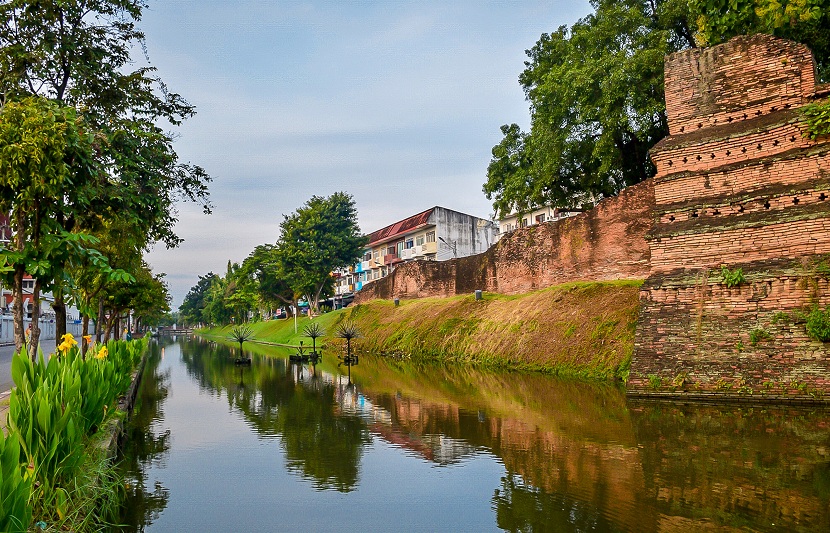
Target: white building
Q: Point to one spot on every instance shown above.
(436, 234)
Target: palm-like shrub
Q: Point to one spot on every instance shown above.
(314, 332)
(241, 334)
(348, 331)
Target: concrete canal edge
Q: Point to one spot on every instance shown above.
(113, 429)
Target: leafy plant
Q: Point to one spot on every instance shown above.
(314, 332)
(15, 513)
(816, 116)
(818, 324)
(655, 382)
(348, 331)
(241, 334)
(757, 335)
(732, 278)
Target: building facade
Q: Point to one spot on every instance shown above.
(437, 234)
(537, 215)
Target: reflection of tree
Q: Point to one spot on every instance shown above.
(521, 507)
(320, 442)
(143, 447)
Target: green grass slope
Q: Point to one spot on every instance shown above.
(578, 329)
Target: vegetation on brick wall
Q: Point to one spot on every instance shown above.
(817, 119)
(732, 278)
(818, 324)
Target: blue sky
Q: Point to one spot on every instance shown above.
(397, 103)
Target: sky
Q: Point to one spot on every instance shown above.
(397, 103)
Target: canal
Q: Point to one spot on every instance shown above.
(400, 446)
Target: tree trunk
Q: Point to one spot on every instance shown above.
(35, 337)
(20, 339)
(60, 313)
(100, 321)
(84, 333)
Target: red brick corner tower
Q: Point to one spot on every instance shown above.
(739, 186)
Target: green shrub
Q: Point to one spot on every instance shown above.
(732, 278)
(15, 513)
(757, 335)
(818, 324)
(817, 118)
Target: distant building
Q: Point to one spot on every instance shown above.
(436, 234)
(538, 215)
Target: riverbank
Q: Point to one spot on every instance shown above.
(581, 330)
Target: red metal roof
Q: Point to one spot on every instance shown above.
(400, 228)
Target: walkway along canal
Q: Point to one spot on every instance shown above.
(400, 446)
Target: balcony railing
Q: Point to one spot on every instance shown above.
(390, 259)
(408, 254)
(429, 248)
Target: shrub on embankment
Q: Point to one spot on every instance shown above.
(55, 412)
(577, 329)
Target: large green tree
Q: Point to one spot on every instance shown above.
(597, 107)
(318, 238)
(44, 150)
(805, 21)
(78, 53)
(192, 309)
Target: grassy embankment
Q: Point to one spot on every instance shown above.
(578, 329)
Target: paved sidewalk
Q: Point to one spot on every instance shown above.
(4, 409)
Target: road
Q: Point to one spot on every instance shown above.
(6, 352)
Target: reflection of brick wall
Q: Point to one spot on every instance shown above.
(605, 243)
(737, 185)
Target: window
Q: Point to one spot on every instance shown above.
(419, 240)
(540, 218)
(524, 222)
(367, 256)
(410, 243)
(400, 248)
(390, 250)
(431, 236)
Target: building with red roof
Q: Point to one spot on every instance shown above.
(436, 234)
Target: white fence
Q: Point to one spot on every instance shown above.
(47, 328)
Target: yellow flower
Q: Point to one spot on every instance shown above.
(69, 339)
(102, 353)
(88, 338)
(67, 342)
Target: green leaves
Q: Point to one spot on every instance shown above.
(597, 106)
(816, 116)
(804, 21)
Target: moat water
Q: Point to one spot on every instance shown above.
(399, 446)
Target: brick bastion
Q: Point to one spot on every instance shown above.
(738, 185)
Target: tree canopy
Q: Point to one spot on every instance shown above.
(78, 54)
(316, 239)
(597, 106)
(804, 21)
(596, 93)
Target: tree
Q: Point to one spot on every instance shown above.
(192, 309)
(804, 21)
(318, 238)
(43, 151)
(262, 266)
(597, 107)
(78, 53)
(147, 295)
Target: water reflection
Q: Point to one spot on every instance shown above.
(293, 403)
(574, 456)
(145, 445)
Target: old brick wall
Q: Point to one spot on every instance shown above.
(737, 185)
(606, 243)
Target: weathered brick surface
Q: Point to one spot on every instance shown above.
(606, 243)
(738, 185)
(747, 77)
